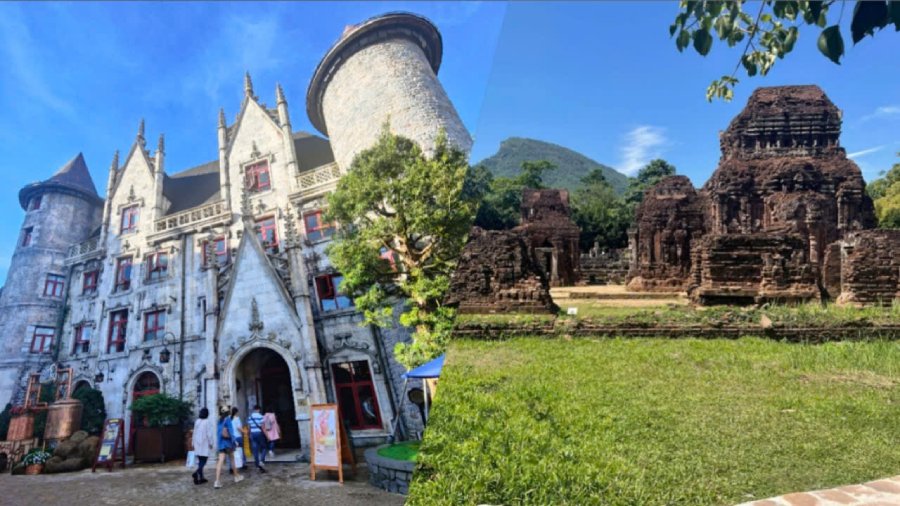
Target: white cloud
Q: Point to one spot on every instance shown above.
(883, 112)
(24, 65)
(642, 144)
(864, 152)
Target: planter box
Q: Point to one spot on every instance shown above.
(34, 469)
(159, 444)
(21, 427)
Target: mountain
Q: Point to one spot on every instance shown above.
(571, 166)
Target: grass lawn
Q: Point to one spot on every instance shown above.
(657, 421)
(796, 315)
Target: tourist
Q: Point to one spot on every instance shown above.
(273, 431)
(225, 438)
(258, 438)
(238, 436)
(204, 442)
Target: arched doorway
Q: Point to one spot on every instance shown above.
(264, 378)
(146, 384)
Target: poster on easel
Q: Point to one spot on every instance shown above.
(325, 440)
(112, 446)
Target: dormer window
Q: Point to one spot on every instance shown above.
(129, 219)
(256, 176)
(123, 274)
(35, 203)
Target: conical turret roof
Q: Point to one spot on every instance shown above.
(73, 176)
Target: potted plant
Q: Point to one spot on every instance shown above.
(159, 434)
(34, 461)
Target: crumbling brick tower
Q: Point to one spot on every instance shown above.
(383, 70)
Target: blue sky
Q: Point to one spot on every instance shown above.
(602, 78)
(606, 80)
(79, 77)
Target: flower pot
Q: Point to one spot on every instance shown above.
(34, 469)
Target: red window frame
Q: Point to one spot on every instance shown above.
(360, 382)
(157, 265)
(42, 339)
(123, 273)
(82, 341)
(257, 177)
(89, 282)
(268, 228)
(330, 297)
(130, 217)
(221, 251)
(154, 325)
(26, 236)
(118, 326)
(316, 229)
(54, 285)
(35, 203)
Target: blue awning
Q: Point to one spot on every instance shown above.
(428, 370)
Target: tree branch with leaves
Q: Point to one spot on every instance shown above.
(771, 29)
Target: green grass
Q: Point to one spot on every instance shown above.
(406, 450)
(798, 315)
(657, 421)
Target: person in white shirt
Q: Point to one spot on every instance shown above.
(204, 442)
(238, 433)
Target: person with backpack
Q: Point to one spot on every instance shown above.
(258, 440)
(225, 437)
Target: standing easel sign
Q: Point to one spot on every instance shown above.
(326, 442)
(112, 446)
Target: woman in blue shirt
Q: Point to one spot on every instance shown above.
(225, 435)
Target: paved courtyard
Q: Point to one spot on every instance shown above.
(158, 485)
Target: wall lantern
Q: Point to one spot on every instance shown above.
(164, 356)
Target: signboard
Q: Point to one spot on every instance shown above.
(112, 446)
(325, 440)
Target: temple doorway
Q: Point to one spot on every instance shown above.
(263, 378)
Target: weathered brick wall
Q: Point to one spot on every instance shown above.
(870, 267)
(391, 81)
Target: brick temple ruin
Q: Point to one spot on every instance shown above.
(784, 217)
(551, 235)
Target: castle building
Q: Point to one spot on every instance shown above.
(212, 283)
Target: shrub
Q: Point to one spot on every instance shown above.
(36, 456)
(93, 409)
(160, 410)
(5, 417)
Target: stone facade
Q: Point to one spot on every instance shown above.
(551, 235)
(497, 274)
(868, 268)
(211, 283)
(383, 70)
(783, 196)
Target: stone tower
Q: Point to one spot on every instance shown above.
(383, 70)
(59, 212)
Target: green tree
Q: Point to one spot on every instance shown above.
(768, 30)
(418, 210)
(885, 192)
(648, 176)
(500, 207)
(5, 417)
(93, 409)
(602, 215)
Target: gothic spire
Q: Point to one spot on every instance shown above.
(246, 208)
(160, 146)
(140, 134)
(221, 118)
(114, 166)
(279, 94)
(248, 85)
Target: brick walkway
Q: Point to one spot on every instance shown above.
(170, 484)
(884, 492)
